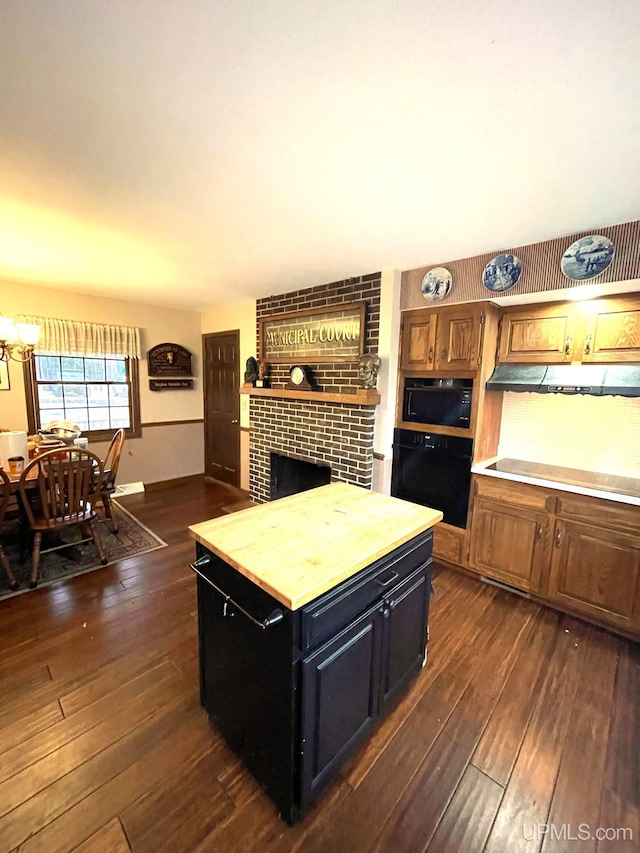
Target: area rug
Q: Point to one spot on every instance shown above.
(132, 539)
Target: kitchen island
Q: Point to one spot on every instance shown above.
(312, 614)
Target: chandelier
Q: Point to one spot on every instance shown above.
(17, 340)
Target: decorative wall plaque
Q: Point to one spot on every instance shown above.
(317, 334)
(169, 384)
(169, 360)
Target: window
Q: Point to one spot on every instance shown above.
(98, 394)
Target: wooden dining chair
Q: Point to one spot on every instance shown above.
(66, 484)
(5, 495)
(111, 464)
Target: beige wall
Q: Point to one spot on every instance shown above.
(228, 318)
(387, 379)
(163, 452)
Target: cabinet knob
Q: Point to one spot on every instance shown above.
(567, 345)
(430, 357)
(444, 355)
(587, 344)
(558, 538)
(539, 532)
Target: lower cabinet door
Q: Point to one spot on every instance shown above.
(404, 637)
(340, 692)
(510, 543)
(597, 572)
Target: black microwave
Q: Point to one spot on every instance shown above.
(442, 402)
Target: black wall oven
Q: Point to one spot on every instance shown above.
(433, 470)
(444, 402)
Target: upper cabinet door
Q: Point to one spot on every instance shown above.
(458, 338)
(612, 332)
(418, 340)
(542, 335)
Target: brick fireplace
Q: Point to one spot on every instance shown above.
(337, 434)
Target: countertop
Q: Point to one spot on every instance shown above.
(298, 547)
(593, 483)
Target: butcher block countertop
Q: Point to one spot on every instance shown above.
(298, 547)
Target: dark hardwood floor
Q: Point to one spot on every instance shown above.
(523, 721)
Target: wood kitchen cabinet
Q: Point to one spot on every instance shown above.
(598, 331)
(595, 566)
(612, 331)
(510, 536)
(442, 339)
(418, 340)
(596, 571)
(579, 553)
(537, 335)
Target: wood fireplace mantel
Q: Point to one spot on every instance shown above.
(362, 396)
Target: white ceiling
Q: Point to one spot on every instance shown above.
(185, 152)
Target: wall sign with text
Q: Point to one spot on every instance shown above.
(169, 360)
(317, 334)
(169, 384)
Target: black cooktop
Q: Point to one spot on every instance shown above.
(570, 476)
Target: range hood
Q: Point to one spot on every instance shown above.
(595, 379)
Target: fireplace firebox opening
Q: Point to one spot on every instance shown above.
(290, 475)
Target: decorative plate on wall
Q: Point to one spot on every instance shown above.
(501, 273)
(587, 257)
(436, 283)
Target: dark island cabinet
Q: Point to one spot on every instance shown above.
(349, 682)
(340, 699)
(295, 692)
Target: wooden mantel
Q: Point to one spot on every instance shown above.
(362, 397)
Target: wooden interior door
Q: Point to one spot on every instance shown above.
(221, 358)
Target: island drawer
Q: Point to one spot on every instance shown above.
(333, 610)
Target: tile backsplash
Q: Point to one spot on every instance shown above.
(591, 433)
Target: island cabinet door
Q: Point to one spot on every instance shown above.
(404, 635)
(340, 692)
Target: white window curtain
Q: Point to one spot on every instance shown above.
(73, 337)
